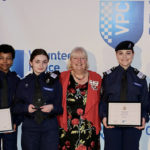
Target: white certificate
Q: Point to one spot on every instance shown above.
(5, 121)
(124, 114)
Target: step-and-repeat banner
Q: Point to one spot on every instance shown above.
(60, 25)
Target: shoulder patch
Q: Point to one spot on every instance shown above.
(28, 76)
(109, 71)
(139, 74)
(26, 80)
(52, 76)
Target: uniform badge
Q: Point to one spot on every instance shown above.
(48, 89)
(26, 85)
(137, 84)
(94, 84)
(141, 75)
(47, 80)
(51, 77)
(109, 71)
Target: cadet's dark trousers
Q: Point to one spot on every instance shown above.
(122, 138)
(9, 141)
(39, 137)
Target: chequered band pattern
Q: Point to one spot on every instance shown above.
(106, 21)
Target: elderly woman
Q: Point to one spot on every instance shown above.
(80, 122)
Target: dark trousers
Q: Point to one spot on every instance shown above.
(39, 137)
(122, 138)
(9, 141)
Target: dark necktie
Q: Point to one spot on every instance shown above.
(4, 93)
(124, 85)
(38, 101)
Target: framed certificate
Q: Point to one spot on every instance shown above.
(5, 121)
(124, 114)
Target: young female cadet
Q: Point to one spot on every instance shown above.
(38, 98)
(133, 83)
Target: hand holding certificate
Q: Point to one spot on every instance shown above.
(5, 121)
(124, 114)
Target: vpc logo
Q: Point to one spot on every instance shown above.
(121, 20)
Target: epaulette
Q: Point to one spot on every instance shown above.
(109, 71)
(51, 77)
(139, 74)
(27, 78)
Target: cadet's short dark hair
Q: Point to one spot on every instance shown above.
(5, 48)
(38, 52)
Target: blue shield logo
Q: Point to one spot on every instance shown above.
(121, 20)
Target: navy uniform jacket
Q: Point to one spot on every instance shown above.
(52, 94)
(13, 81)
(137, 90)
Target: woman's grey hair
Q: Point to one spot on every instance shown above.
(74, 52)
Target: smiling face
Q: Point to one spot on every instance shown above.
(78, 61)
(125, 57)
(6, 61)
(39, 64)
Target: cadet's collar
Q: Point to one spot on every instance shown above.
(122, 69)
(40, 76)
(4, 74)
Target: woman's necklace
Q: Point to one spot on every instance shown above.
(79, 78)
